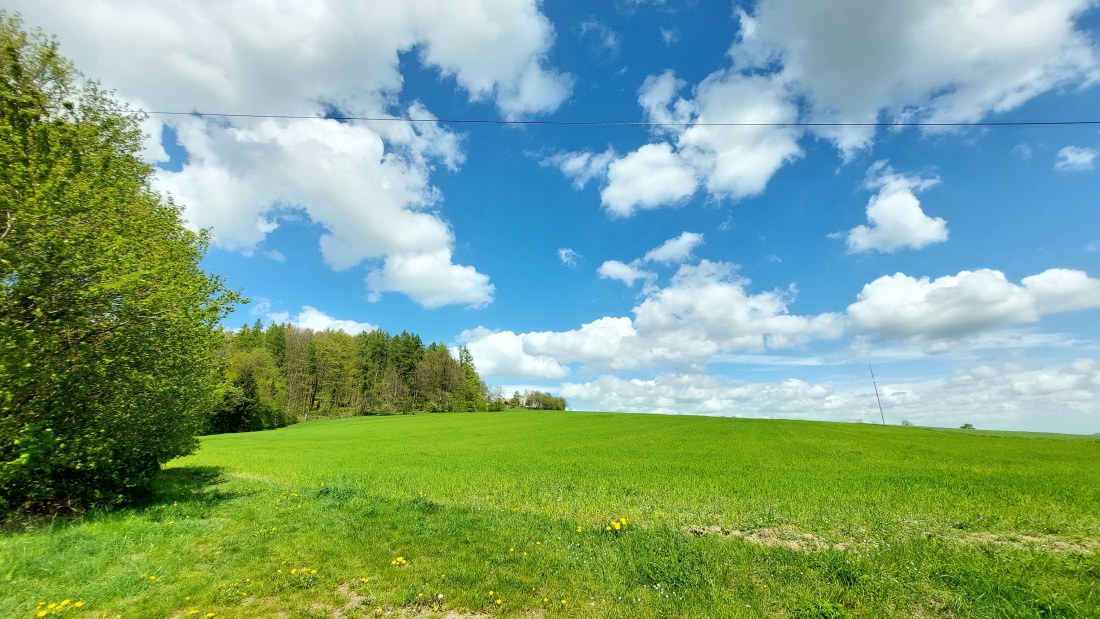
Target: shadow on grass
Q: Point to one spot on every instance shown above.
(186, 485)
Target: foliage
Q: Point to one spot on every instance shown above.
(107, 321)
(462, 497)
(281, 374)
(534, 400)
(967, 426)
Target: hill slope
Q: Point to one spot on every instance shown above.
(723, 517)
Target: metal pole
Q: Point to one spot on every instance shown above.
(876, 394)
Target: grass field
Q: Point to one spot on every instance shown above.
(508, 514)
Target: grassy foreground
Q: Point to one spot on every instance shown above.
(507, 514)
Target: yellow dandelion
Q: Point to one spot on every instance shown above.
(622, 520)
(209, 615)
(248, 580)
(364, 579)
(193, 612)
(511, 550)
(607, 528)
(52, 606)
(617, 526)
(78, 604)
(436, 607)
(152, 578)
(419, 595)
(278, 571)
(578, 529)
(41, 603)
(525, 554)
(499, 602)
(294, 571)
(563, 601)
(545, 599)
(66, 602)
(313, 571)
(490, 592)
(538, 543)
(41, 613)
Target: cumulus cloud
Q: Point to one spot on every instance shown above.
(625, 273)
(431, 279)
(1075, 158)
(243, 175)
(315, 320)
(583, 166)
(731, 161)
(568, 257)
(647, 178)
(500, 353)
(705, 310)
(999, 394)
(954, 307)
(989, 57)
(895, 216)
(675, 250)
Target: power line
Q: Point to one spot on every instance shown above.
(632, 123)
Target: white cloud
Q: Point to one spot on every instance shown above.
(568, 257)
(895, 214)
(988, 57)
(704, 311)
(316, 320)
(242, 174)
(675, 250)
(1075, 158)
(739, 161)
(583, 166)
(500, 353)
(958, 306)
(1000, 395)
(625, 273)
(647, 178)
(670, 35)
(431, 280)
(732, 161)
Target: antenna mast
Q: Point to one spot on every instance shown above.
(873, 382)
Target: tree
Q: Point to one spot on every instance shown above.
(967, 426)
(108, 325)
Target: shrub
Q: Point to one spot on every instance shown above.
(107, 321)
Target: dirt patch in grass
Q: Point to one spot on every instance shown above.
(358, 606)
(771, 537)
(1040, 543)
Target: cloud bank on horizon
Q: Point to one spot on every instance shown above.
(746, 255)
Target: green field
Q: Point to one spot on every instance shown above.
(507, 514)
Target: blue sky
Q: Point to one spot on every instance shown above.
(962, 263)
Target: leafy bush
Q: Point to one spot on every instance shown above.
(107, 321)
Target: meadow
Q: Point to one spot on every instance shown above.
(566, 514)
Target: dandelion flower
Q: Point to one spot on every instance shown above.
(545, 599)
(193, 612)
(313, 571)
(41, 613)
(52, 606)
(607, 528)
(436, 607)
(152, 578)
(499, 602)
(525, 554)
(294, 571)
(578, 529)
(511, 550)
(78, 604)
(490, 592)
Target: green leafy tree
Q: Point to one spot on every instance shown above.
(108, 325)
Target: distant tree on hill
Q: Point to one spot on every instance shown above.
(906, 422)
(108, 324)
(966, 426)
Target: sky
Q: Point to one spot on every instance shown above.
(755, 269)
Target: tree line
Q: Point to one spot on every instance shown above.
(281, 374)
